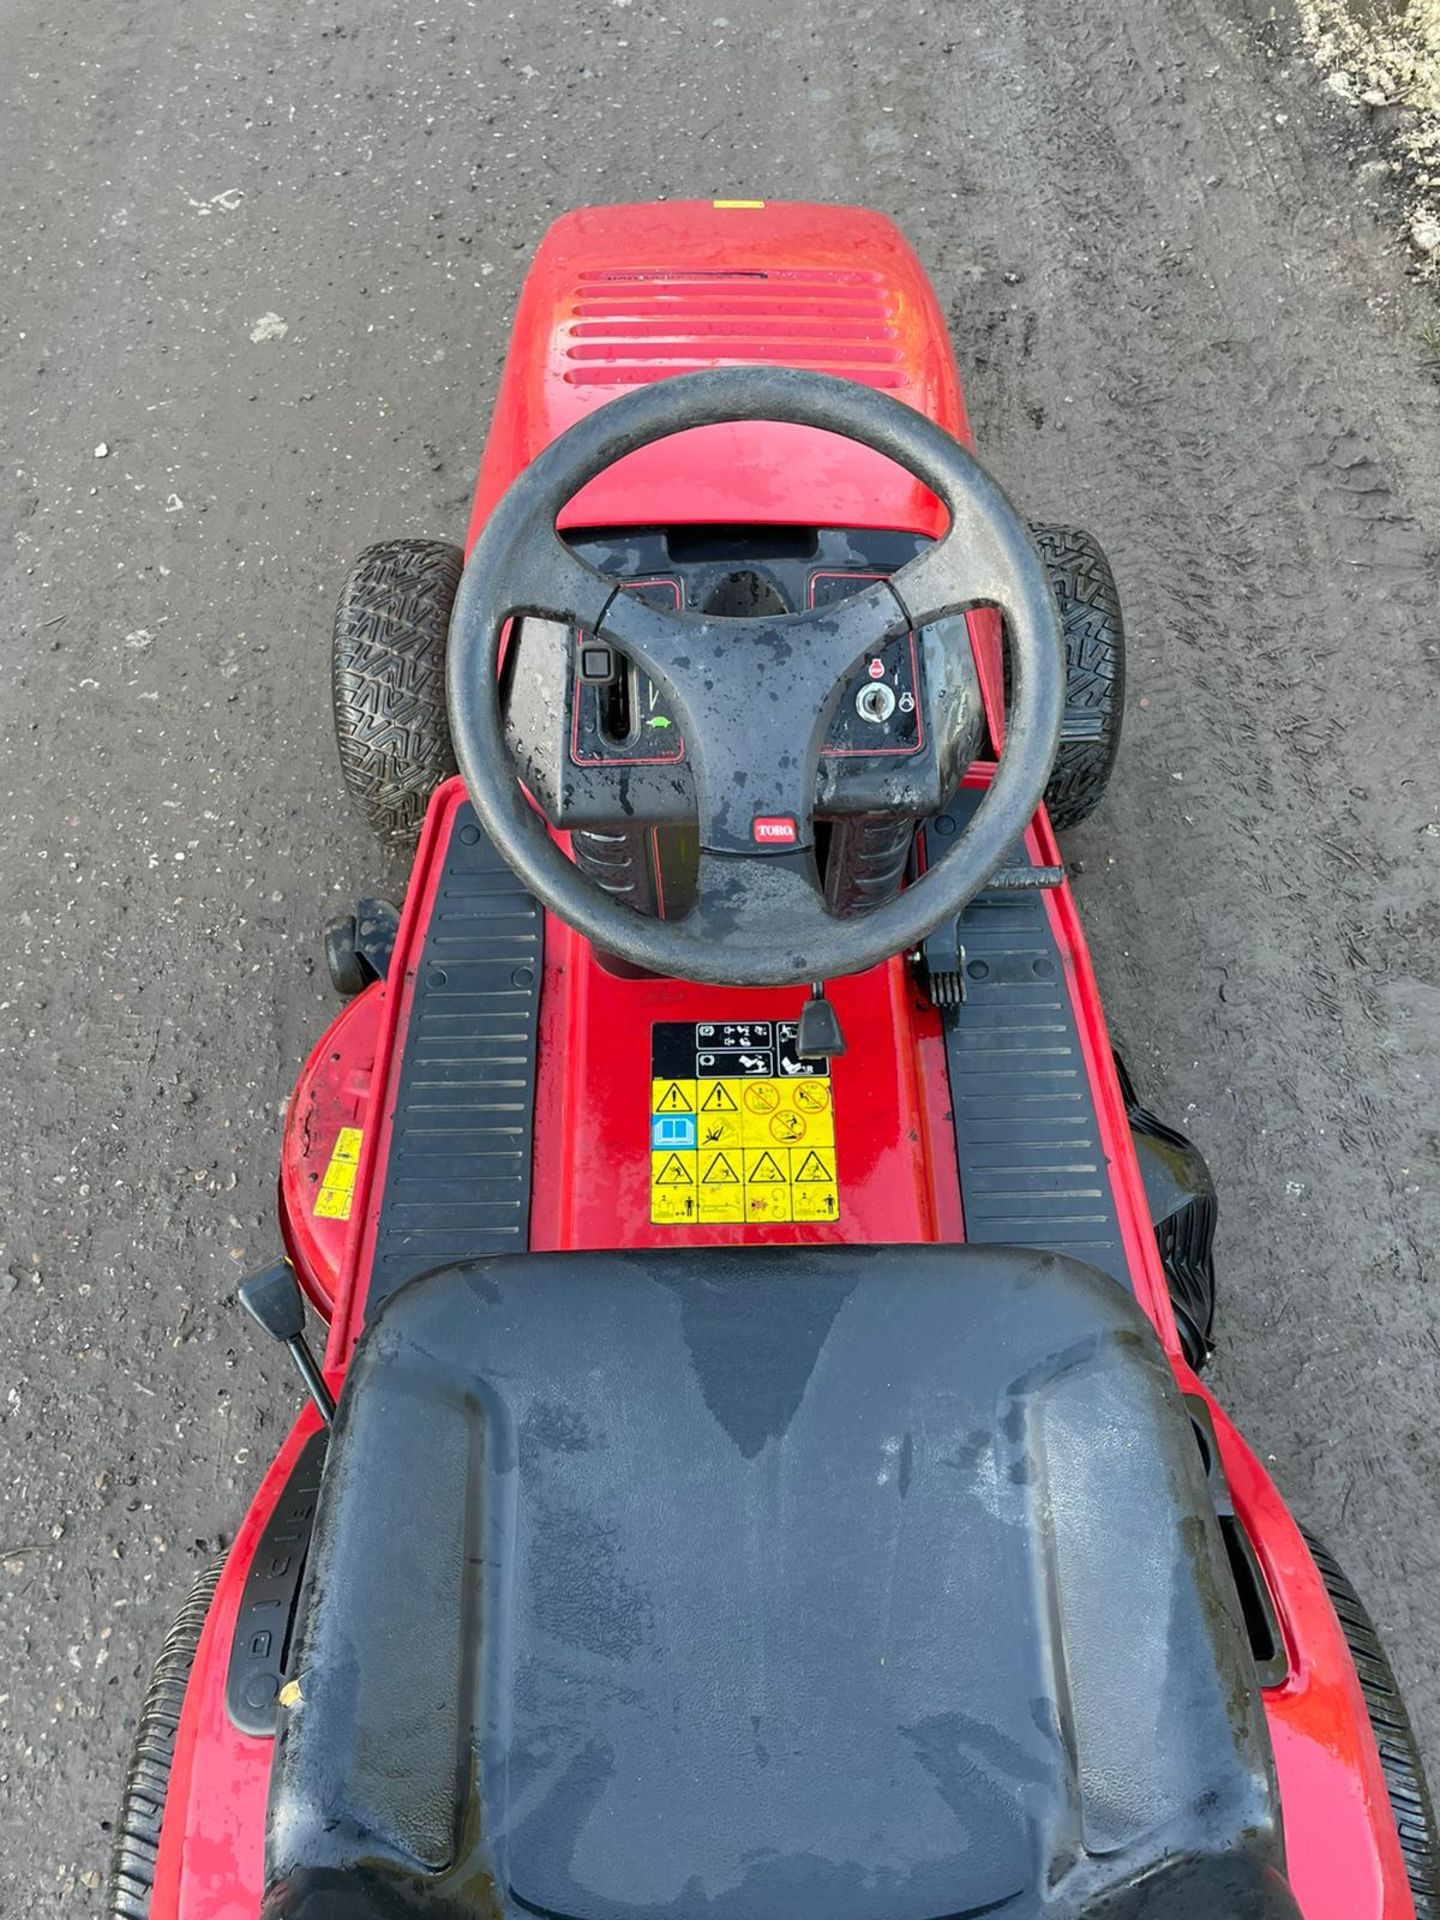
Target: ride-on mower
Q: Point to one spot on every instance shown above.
(758, 1468)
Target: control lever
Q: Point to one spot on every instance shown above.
(272, 1297)
(819, 1036)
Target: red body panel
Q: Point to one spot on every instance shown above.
(618, 295)
(211, 1858)
(592, 1186)
(333, 1092)
(591, 1157)
(1341, 1844)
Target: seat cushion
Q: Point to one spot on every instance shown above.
(854, 1583)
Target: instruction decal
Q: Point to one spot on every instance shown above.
(741, 1129)
(337, 1190)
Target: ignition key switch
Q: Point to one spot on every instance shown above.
(875, 702)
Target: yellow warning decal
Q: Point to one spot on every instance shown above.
(733, 204)
(814, 1170)
(764, 1170)
(337, 1190)
(741, 1129)
(674, 1172)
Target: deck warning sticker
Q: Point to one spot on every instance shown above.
(337, 1190)
(741, 1129)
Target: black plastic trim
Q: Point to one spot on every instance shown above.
(1262, 1622)
(266, 1621)
(1184, 1212)
(1033, 1170)
(457, 1180)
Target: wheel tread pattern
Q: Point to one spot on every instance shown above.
(388, 666)
(1394, 1736)
(1094, 631)
(136, 1843)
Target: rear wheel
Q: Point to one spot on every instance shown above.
(147, 1778)
(388, 681)
(1089, 605)
(1394, 1736)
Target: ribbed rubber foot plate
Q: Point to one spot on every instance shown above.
(458, 1180)
(1032, 1170)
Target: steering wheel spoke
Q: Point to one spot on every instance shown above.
(544, 580)
(755, 783)
(973, 564)
(766, 903)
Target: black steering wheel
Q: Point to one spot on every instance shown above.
(759, 917)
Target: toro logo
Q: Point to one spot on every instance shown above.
(774, 830)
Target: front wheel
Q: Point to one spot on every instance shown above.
(388, 682)
(1089, 603)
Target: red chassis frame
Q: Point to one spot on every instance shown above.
(576, 343)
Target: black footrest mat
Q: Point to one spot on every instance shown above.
(1032, 1170)
(458, 1180)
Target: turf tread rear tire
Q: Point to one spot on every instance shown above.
(147, 1778)
(1395, 1737)
(388, 682)
(1094, 631)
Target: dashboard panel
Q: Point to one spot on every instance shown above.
(598, 747)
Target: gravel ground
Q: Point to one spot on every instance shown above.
(259, 264)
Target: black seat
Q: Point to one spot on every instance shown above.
(806, 1584)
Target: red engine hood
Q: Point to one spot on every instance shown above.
(619, 296)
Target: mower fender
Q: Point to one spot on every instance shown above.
(1343, 1854)
(212, 1844)
(324, 1131)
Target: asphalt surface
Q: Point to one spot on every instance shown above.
(1182, 323)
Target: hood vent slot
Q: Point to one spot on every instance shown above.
(630, 327)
